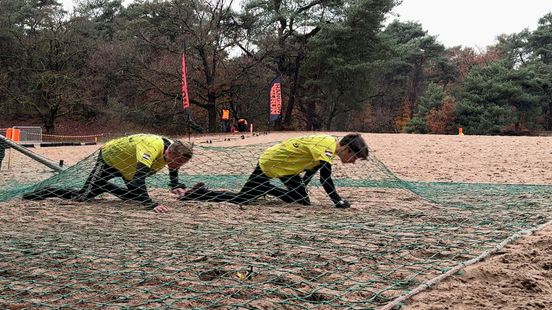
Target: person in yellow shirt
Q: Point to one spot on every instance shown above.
(132, 158)
(287, 161)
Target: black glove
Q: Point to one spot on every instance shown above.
(342, 204)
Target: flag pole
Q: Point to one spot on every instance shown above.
(269, 121)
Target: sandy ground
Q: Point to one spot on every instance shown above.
(518, 277)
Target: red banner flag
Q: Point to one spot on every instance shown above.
(185, 98)
(275, 99)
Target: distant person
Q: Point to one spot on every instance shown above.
(225, 120)
(242, 125)
(287, 161)
(132, 158)
(3, 147)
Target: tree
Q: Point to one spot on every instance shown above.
(441, 120)
(159, 31)
(336, 71)
(414, 59)
(527, 54)
(540, 41)
(103, 14)
(496, 96)
(279, 32)
(514, 48)
(464, 59)
(45, 58)
(432, 99)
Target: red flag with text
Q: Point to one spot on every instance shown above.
(185, 98)
(276, 99)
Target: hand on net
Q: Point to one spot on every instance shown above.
(178, 191)
(161, 209)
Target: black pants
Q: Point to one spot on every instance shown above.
(96, 184)
(256, 186)
(2, 154)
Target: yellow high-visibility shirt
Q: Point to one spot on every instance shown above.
(296, 155)
(124, 153)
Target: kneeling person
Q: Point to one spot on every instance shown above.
(287, 161)
(132, 158)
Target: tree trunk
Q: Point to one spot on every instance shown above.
(50, 118)
(330, 119)
(212, 117)
(548, 118)
(287, 119)
(212, 111)
(329, 123)
(49, 123)
(413, 91)
(309, 111)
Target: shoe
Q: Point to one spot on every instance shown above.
(342, 204)
(198, 186)
(196, 191)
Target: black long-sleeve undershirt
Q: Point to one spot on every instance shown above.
(174, 183)
(325, 179)
(327, 182)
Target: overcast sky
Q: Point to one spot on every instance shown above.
(471, 23)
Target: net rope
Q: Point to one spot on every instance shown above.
(106, 253)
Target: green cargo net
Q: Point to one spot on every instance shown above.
(64, 254)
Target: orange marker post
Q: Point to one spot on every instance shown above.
(15, 136)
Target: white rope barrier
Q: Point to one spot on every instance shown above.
(461, 266)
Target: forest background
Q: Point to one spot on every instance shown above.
(109, 67)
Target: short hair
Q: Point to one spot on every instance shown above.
(356, 144)
(182, 149)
